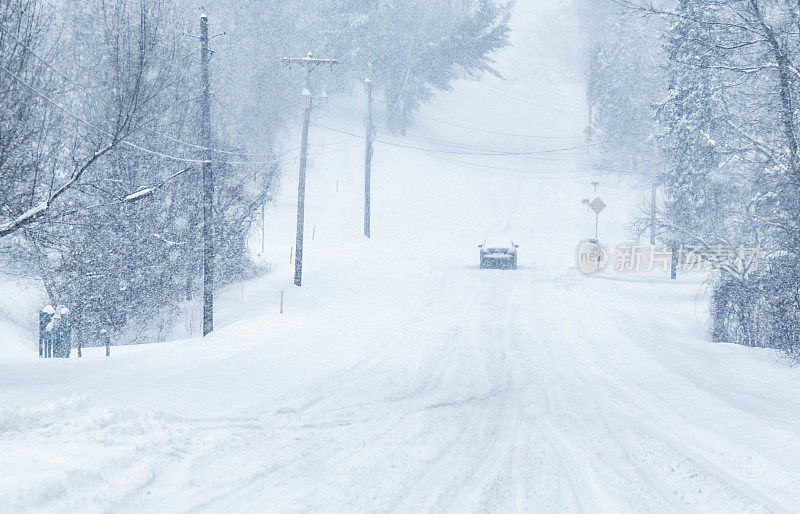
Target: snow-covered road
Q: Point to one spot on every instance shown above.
(500, 404)
(403, 378)
(513, 392)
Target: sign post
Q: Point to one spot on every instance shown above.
(589, 133)
(598, 206)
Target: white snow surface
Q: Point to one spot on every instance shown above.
(401, 377)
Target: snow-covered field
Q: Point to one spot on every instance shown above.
(401, 377)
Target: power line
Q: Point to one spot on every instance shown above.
(540, 88)
(149, 190)
(402, 89)
(522, 174)
(569, 105)
(526, 173)
(542, 106)
(497, 153)
(435, 150)
(529, 136)
(452, 144)
(496, 170)
(253, 175)
(595, 167)
(124, 142)
(335, 143)
(107, 105)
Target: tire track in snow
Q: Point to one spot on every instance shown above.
(644, 409)
(321, 412)
(651, 415)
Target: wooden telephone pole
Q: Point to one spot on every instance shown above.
(208, 185)
(654, 199)
(370, 134)
(309, 63)
(653, 195)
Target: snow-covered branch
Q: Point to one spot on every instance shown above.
(42, 208)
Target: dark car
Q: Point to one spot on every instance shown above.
(498, 255)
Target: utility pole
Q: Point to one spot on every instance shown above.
(653, 216)
(368, 154)
(263, 226)
(309, 63)
(208, 186)
(654, 198)
(596, 223)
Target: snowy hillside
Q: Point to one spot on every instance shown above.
(401, 377)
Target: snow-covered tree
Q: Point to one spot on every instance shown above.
(725, 122)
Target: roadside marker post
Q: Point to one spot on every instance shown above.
(106, 341)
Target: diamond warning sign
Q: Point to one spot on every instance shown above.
(597, 205)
